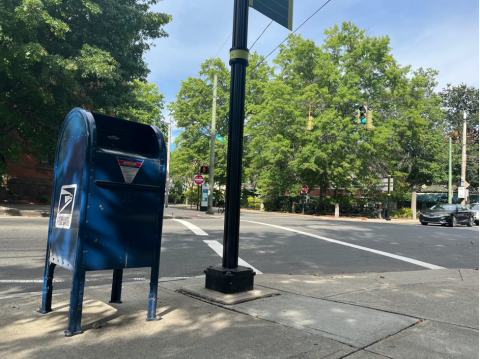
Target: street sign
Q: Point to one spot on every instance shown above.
(280, 11)
(198, 179)
(304, 189)
(383, 186)
(204, 202)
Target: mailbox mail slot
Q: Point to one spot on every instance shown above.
(107, 205)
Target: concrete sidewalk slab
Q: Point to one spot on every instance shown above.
(196, 287)
(189, 328)
(325, 286)
(374, 320)
(345, 323)
(430, 340)
(364, 354)
(447, 302)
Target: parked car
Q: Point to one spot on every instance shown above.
(474, 208)
(447, 214)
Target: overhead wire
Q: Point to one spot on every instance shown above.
(271, 52)
(260, 35)
(223, 45)
(291, 34)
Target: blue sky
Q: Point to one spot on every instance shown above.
(443, 35)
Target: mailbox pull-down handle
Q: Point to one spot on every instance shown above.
(110, 184)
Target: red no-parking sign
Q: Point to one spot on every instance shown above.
(198, 179)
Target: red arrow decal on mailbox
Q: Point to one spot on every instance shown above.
(129, 167)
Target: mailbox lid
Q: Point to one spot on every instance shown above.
(126, 137)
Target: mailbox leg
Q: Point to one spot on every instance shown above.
(76, 302)
(152, 297)
(116, 296)
(47, 289)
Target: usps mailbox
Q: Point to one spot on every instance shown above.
(107, 205)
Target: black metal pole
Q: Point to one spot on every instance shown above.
(231, 278)
(235, 136)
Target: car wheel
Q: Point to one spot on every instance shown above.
(424, 223)
(453, 221)
(470, 221)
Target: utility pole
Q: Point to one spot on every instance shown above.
(167, 182)
(310, 118)
(387, 214)
(450, 169)
(229, 277)
(212, 146)
(464, 156)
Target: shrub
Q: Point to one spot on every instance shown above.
(44, 199)
(404, 212)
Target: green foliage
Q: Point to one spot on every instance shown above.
(146, 105)
(193, 111)
(456, 99)
(404, 212)
(253, 203)
(328, 82)
(56, 55)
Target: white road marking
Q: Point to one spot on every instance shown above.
(218, 248)
(401, 258)
(192, 227)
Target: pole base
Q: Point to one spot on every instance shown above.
(229, 281)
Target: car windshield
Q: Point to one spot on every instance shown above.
(444, 207)
(474, 207)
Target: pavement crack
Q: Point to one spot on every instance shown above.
(420, 320)
(461, 277)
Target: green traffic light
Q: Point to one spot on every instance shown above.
(362, 120)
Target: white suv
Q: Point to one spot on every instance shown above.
(474, 208)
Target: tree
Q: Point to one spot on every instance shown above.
(329, 82)
(56, 55)
(146, 106)
(455, 100)
(192, 111)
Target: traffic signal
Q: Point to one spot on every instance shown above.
(310, 123)
(362, 115)
(204, 170)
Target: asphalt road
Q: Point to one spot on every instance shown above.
(270, 243)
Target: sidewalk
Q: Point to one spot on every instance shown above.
(421, 314)
(24, 210)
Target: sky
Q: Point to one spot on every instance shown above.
(438, 34)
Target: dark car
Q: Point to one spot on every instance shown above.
(451, 214)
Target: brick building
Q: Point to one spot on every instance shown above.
(31, 180)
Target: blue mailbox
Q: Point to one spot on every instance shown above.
(107, 205)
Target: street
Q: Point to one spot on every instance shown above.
(270, 243)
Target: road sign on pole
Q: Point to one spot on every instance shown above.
(198, 179)
(280, 11)
(304, 189)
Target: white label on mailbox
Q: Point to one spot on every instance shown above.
(65, 206)
(129, 168)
